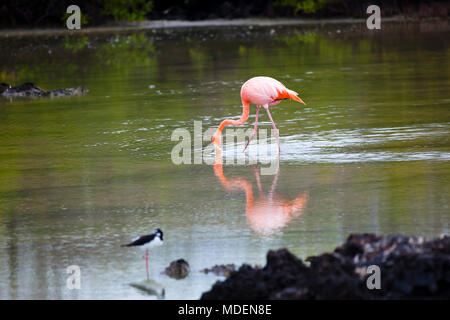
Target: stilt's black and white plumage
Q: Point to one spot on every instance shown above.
(148, 241)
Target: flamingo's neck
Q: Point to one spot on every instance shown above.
(235, 184)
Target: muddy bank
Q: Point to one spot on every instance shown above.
(410, 268)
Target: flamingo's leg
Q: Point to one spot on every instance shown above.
(146, 263)
(273, 125)
(258, 182)
(255, 128)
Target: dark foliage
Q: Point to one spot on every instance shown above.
(44, 13)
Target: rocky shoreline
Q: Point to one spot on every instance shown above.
(28, 89)
(409, 268)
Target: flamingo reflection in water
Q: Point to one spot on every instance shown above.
(269, 213)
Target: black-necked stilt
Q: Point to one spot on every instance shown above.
(148, 241)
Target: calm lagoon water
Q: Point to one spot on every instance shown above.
(80, 176)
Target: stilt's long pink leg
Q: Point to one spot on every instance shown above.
(273, 125)
(255, 128)
(146, 263)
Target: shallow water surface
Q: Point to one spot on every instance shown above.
(80, 176)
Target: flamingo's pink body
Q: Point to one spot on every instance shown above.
(262, 91)
(270, 212)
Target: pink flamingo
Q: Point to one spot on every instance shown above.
(262, 91)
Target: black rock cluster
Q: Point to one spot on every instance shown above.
(410, 268)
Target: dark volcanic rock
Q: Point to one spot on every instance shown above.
(411, 268)
(220, 270)
(178, 269)
(28, 89)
